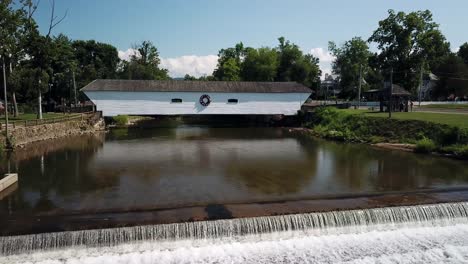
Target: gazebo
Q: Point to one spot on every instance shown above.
(399, 99)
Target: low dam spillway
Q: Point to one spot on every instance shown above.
(432, 232)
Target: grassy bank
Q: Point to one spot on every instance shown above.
(443, 133)
(456, 120)
(446, 106)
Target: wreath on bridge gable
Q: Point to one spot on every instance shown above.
(205, 100)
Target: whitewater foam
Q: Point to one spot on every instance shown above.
(410, 234)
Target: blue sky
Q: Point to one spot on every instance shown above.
(189, 33)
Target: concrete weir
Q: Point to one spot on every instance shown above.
(7, 181)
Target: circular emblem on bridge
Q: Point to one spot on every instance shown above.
(205, 100)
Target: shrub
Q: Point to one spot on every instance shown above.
(425, 145)
(121, 120)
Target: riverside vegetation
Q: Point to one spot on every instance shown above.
(426, 136)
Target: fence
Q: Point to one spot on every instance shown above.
(36, 122)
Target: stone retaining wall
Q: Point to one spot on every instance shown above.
(21, 136)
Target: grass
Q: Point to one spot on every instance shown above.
(458, 120)
(446, 106)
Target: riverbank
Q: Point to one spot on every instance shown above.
(22, 136)
(442, 135)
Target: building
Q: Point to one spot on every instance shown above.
(430, 82)
(330, 86)
(141, 97)
(400, 97)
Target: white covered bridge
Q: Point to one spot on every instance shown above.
(139, 97)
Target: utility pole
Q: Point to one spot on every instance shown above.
(360, 84)
(5, 93)
(420, 85)
(390, 101)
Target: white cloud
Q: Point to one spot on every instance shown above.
(179, 66)
(191, 64)
(125, 55)
(325, 57)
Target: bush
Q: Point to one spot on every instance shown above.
(425, 145)
(120, 120)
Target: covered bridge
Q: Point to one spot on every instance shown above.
(141, 97)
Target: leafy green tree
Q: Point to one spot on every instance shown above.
(94, 60)
(260, 65)
(350, 59)
(293, 65)
(11, 34)
(453, 75)
(408, 42)
(189, 77)
(463, 52)
(229, 63)
(144, 65)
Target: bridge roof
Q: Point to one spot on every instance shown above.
(195, 86)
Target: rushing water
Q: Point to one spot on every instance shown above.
(416, 234)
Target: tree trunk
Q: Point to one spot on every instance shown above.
(39, 110)
(15, 113)
(13, 94)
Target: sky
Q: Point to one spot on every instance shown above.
(189, 33)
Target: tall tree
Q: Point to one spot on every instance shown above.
(293, 65)
(144, 65)
(11, 34)
(408, 42)
(463, 52)
(229, 63)
(94, 60)
(260, 65)
(453, 74)
(351, 59)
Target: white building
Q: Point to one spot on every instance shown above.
(139, 97)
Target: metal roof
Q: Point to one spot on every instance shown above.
(397, 90)
(195, 86)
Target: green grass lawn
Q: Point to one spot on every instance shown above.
(33, 116)
(446, 106)
(459, 120)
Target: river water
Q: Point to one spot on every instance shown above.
(185, 166)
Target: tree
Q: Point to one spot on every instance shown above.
(144, 65)
(63, 66)
(293, 65)
(260, 65)
(11, 33)
(453, 75)
(189, 77)
(94, 60)
(408, 42)
(351, 58)
(463, 52)
(229, 63)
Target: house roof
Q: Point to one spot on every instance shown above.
(397, 90)
(195, 86)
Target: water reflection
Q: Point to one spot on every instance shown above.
(154, 168)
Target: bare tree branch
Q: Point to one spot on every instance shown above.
(54, 21)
